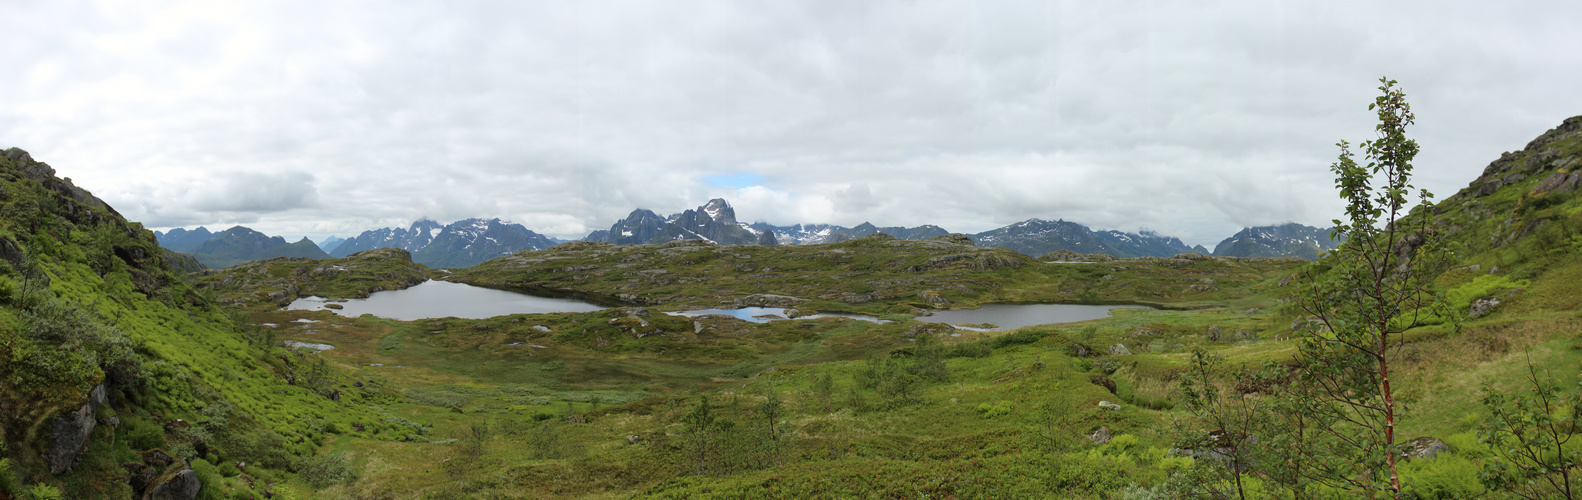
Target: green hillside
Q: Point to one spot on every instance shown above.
(89, 306)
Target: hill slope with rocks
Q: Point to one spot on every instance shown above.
(119, 379)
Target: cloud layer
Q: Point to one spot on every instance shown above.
(1192, 119)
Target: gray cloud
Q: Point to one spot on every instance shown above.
(1189, 119)
(257, 193)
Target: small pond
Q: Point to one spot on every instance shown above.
(1013, 316)
(767, 314)
(438, 299)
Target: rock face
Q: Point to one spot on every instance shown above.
(71, 432)
(183, 485)
(1285, 240)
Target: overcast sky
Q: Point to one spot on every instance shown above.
(1190, 118)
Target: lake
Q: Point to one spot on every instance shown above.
(752, 314)
(438, 299)
(1013, 316)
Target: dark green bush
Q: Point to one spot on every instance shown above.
(323, 471)
(141, 435)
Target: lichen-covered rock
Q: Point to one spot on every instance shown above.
(1101, 436)
(1120, 349)
(183, 485)
(1109, 406)
(72, 431)
(1423, 447)
(1482, 306)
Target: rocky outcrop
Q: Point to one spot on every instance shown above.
(1423, 447)
(1482, 306)
(183, 485)
(1120, 349)
(770, 300)
(71, 433)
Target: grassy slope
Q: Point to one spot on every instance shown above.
(187, 358)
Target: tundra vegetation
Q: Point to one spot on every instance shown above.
(1228, 387)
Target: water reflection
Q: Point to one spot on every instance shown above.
(767, 314)
(1013, 316)
(438, 299)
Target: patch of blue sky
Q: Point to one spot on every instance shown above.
(740, 180)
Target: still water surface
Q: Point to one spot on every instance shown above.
(438, 299)
(1013, 316)
(766, 314)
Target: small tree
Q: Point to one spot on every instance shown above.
(1529, 436)
(1374, 286)
(772, 411)
(701, 426)
(1226, 422)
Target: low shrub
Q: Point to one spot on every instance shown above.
(323, 471)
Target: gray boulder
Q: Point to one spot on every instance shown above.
(1119, 349)
(1100, 436)
(1423, 447)
(72, 431)
(182, 485)
(1482, 306)
(1109, 406)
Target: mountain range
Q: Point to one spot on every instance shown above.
(468, 242)
(1285, 240)
(459, 244)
